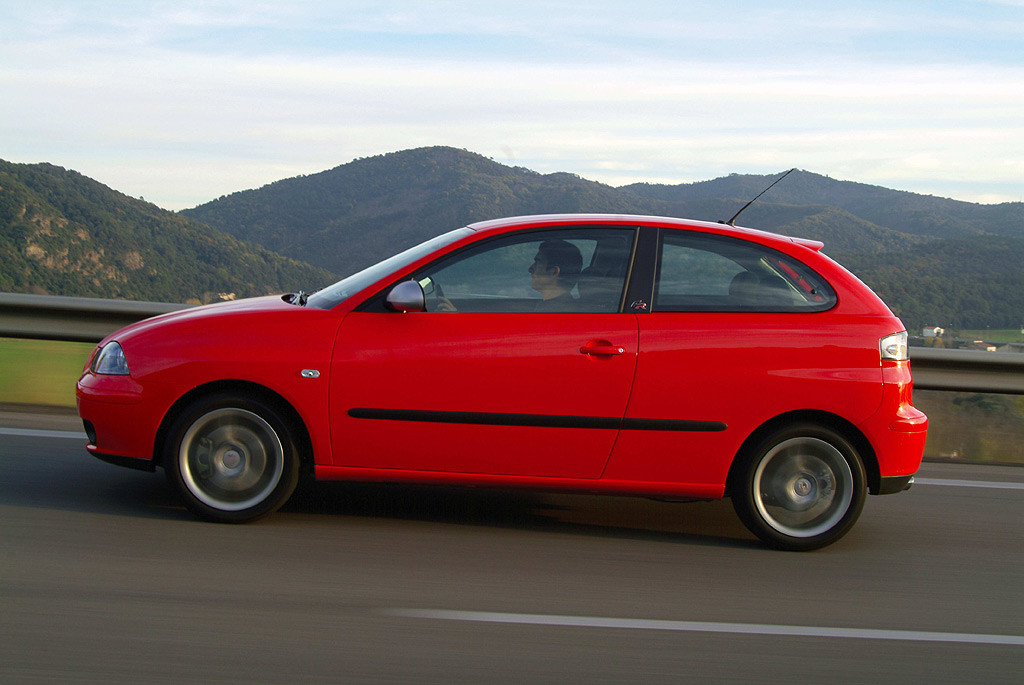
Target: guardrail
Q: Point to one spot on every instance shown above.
(80, 319)
(967, 370)
(72, 319)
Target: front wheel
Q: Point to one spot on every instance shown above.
(800, 488)
(233, 459)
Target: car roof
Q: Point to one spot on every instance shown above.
(540, 220)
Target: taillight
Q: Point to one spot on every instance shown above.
(894, 347)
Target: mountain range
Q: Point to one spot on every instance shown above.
(936, 261)
(62, 233)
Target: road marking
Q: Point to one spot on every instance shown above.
(36, 433)
(969, 483)
(705, 626)
(77, 435)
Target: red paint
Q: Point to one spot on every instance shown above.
(743, 369)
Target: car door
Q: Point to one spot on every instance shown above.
(738, 333)
(492, 379)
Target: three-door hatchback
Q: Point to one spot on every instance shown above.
(601, 353)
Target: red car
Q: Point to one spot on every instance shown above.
(598, 353)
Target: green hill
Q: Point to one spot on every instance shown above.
(65, 234)
(934, 260)
(899, 210)
(356, 214)
(975, 282)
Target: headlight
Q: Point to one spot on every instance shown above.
(894, 347)
(110, 361)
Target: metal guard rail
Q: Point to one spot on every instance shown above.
(80, 319)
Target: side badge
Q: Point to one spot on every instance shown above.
(309, 373)
(638, 306)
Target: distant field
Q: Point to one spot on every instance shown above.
(41, 371)
(990, 335)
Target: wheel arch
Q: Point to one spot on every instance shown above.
(827, 419)
(246, 389)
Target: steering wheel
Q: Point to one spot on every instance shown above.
(441, 303)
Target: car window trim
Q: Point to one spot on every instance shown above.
(640, 289)
(375, 302)
(831, 301)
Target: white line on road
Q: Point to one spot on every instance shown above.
(37, 433)
(705, 626)
(78, 435)
(969, 483)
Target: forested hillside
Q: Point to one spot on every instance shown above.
(898, 210)
(354, 215)
(973, 283)
(928, 256)
(935, 261)
(65, 234)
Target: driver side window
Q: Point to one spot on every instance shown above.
(565, 270)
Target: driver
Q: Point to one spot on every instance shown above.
(554, 272)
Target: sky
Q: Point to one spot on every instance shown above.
(182, 102)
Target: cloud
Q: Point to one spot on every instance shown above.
(184, 102)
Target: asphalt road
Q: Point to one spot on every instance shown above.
(105, 578)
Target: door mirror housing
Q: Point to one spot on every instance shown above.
(407, 296)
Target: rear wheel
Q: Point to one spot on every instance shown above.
(233, 459)
(800, 488)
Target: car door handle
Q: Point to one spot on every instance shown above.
(602, 347)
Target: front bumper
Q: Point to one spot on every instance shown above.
(120, 419)
(127, 462)
(890, 485)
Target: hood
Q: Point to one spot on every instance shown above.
(196, 315)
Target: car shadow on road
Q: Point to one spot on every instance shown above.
(120, 493)
(70, 480)
(702, 523)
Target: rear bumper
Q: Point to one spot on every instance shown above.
(897, 431)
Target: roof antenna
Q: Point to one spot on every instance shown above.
(732, 221)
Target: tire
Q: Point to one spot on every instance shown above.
(801, 488)
(233, 459)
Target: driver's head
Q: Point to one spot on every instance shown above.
(558, 260)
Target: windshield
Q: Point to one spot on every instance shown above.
(335, 294)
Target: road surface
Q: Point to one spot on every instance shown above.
(105, 578)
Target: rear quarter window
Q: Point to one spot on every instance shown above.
(707, 273)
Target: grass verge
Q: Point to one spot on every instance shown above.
(41, 371)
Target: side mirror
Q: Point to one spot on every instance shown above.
(407, 296)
